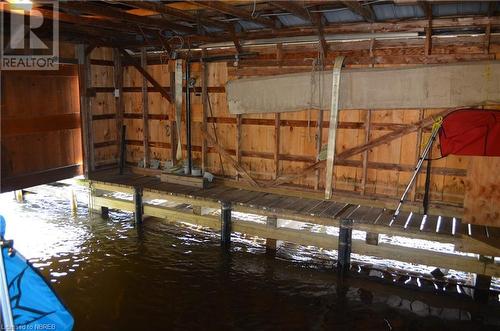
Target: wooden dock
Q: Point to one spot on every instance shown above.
(191, 206)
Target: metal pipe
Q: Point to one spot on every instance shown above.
(417, 169)
(188, 117)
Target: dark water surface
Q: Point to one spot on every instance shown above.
(114, 276)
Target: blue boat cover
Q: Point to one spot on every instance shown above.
(35, 306)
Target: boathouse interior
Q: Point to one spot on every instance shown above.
(309, 114)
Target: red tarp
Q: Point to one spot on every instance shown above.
(471, 132)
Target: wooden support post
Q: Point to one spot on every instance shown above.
(428, 38)
(279, 54)
(197, 210)
(73, 201)
(365, 153)
(272, 221)
(139, 207)
(332, 133)
(344, 250)
(84, 81)
(487, 39)
(238, 143)
(319, 142)
(276, 145)
(482, 288)
(225, 217)
(105, 212)
(178, 106)
(118, 93)
(371, 238)
(19, 196)
(204, 103)
(145, 108)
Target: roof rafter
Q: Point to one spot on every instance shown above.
(364, 11)
(162, 9)
(112, 13)
(234, 11)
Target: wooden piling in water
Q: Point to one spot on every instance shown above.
(344, 250)
(271, 244)
(139, 208)
(225, 216)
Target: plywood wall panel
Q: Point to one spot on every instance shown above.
(482, 192)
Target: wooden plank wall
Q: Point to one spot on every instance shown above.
(41, 139)
(253, 136)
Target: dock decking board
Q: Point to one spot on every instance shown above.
(366, 218)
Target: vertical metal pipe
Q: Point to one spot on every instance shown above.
(427, 184)
(138, 205)
(344, 251)
(188, 117)
(225, 216)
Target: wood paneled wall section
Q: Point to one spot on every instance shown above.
(40, 117)
(389, 166)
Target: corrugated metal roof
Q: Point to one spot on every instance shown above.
(383, 12)
(247, 25)
(292, 20)
(464, 8)
(390, 11)
(342, 16)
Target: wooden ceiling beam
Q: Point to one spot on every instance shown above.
(118, 15)
(426, 7)
(364, 11)
(234, 11)
(163, 9)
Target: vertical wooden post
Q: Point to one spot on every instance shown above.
(84, 80)
(279, 54)
(19, 196)
(105, 212)
(145, 108)
(319, 141)
(365, 153)
(344, 250)
(204, 102)
(197, 210)
(118, 93)
(428, 38)
(73, 201)
(482, 288)
(225, 216)
(238, 142)
(138, 205)
(171, 118)
(487, 39)
(276, 145)
(371, 238)
(332, 132)
(272, 221)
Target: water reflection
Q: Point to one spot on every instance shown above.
(114, 276)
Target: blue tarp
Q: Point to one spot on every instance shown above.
(35, 306)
